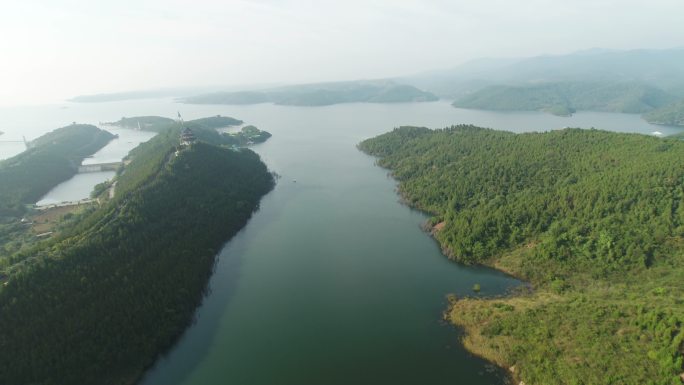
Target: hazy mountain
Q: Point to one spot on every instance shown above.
(566, 97)
(671, 115)
(171, 92)
(659, 68)
(321, 94)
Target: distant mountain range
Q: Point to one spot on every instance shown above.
(649, 82)
(315, 94)
(644, 81)
(321, 94)
(172, 92)
(659, 68)
(566, 98)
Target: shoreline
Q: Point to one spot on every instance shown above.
(470, 335)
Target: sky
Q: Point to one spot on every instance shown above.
(51, 50)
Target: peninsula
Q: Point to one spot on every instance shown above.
(592, 220)
(100, 302)
(52, 159)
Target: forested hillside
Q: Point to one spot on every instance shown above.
(671, 115)
(566, 98)
(101, 302)
(52, 159)
(593, 220)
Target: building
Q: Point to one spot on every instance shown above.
(187, 137)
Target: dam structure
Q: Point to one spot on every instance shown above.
(97, 167)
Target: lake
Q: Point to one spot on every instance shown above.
(332, 281)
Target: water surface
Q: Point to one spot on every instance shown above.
(75, 189)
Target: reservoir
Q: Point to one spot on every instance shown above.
(332, 281)
(80, 185)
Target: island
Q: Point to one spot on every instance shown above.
(160, 123)
(100, 302)
(592, 220)
(564, 98)
(320, 94)
(247, 135)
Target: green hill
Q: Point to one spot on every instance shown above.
(321, 94)
(159, 123)
(100, 303)
(52, 159)
(593, 220)
(671, 114)
(566, 98)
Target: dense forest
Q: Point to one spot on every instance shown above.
(593, 220)
(321, 94)
(99, 303)
(52, 159)
(671, 115)
(566, 98)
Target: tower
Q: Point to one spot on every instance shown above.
(187, 137)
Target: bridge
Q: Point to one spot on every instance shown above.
(97, 167)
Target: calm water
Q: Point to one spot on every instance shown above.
(332, 281)
(119, 147)
(76, 188)
(80, 185)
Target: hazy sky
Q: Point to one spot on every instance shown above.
(55, 49)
